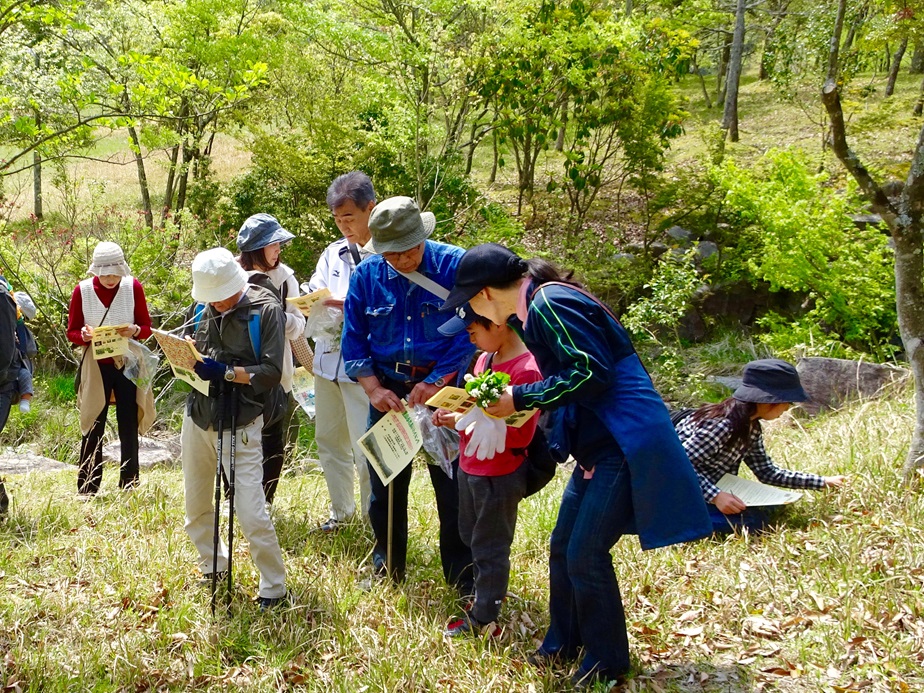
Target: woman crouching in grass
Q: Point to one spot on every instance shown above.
(719, 437)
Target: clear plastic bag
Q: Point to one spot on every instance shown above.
(140, 364)
(441, 443)
(324, 323)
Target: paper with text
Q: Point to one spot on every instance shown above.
(107, 342)
(391, 444)
(456, 399)
(308, 301)
(754, 493)
(182, 356)
(303, 390)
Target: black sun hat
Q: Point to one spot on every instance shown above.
(770, 381)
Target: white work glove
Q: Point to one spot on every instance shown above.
(487, 435)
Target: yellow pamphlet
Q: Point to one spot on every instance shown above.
(107, 342)
(307, 302)
(456, 399)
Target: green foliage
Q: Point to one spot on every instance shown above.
(807, 243)
(671, 289)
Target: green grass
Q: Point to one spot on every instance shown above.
(102, 596)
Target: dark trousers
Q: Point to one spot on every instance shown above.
(584, 601)
(455, 556)
(487, 521)
(90, 472)
(6, 400)
(755, 519)
(277, 437)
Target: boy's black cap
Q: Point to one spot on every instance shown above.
(489, 264)
(770, 381)
(465, 316)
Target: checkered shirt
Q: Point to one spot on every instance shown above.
(709, 447)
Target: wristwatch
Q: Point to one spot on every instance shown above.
(229, 374)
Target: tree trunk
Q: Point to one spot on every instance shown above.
(764, 72)
(904, 222)
(628, 8)
(37, 208)
(560, 142)
(184, 178)
(142, 178)
(702, 83)
(721, 72)
(730, 116)
(917, 59)
(493, 176)
(919, 106)
(171, 181)
(896, 66)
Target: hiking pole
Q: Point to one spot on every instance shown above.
(391, 526)
(221, 432)
(232, 399)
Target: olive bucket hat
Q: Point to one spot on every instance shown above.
(397, 224)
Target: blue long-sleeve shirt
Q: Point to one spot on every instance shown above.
(388, 319)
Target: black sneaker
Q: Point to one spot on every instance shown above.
(332, 526)
(270, 603)
(4, 498)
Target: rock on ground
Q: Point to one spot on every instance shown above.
(151, 451)
(831, 382)
(15, 462)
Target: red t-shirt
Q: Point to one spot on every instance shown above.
(522, 370)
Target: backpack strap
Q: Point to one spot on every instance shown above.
(253, 328)
(198, 312)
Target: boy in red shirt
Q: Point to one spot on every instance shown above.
(491, 489)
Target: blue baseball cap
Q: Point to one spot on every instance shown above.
(465, 316)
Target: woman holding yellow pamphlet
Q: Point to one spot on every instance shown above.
(110, 298)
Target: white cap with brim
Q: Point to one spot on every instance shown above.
(217, 276)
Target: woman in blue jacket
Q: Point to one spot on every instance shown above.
(632, 474)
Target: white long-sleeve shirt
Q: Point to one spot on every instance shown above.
(333, 271)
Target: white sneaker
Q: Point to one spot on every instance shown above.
(25, 405)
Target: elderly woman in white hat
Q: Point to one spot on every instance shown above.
(112, 296)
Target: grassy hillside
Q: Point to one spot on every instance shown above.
(103, 596)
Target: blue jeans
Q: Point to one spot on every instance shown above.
(584, 604)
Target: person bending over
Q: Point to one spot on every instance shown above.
(719, 437)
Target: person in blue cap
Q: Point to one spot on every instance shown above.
(719, 437)
(260, 242)
(631, 474)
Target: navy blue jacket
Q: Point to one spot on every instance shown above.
(588, 360)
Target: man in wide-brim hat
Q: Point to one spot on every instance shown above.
(392, 346)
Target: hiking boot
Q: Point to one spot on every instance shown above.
(270, 603)
(332, 526)
(467, 625)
